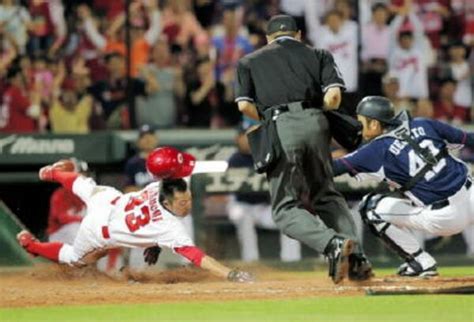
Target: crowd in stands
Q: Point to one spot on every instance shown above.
(64, 66)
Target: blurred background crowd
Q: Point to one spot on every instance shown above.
(78, 66)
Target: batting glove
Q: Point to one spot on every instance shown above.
(151, 255)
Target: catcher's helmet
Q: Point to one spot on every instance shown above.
(170, 163)
(378, 108)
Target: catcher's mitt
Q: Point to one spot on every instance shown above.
(238, 276)
(345, 129)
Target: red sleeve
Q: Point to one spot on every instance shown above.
(60, 209)
(192, 253)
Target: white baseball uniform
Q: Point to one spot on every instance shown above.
(114, 219)
(343, 47)
(409, 65)
(440, 203)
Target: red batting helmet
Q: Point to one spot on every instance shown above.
(169, 163)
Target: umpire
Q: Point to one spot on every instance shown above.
(288, 86)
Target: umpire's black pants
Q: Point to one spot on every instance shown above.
(304, 172)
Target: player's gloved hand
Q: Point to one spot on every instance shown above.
(151, 254)
(238, 276)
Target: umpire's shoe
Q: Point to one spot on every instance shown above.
(337, 253)
(360, 268)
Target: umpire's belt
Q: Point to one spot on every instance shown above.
(276, 110)
(445, 202)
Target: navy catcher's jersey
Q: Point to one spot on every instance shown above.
(396, 161)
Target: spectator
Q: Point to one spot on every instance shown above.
(66, 211)
(461, 73)
(314, 13)
(432, 14)
(48, 27)
(464, 11)
(205, 98)
(406, 60)
(69, 112)
(365, 13)
(230, 47)
(445, 108)
(375, 49)
(112, 92)
(179, 23)
(390, 88)
(159, 108)
(250, 210)
(339, 37)
(423, 108)
(205, 11)
(8, 51)
(142, 40)
(19, 112)
(42, 74)
(111, 9)
(296, 9)
(15, 20)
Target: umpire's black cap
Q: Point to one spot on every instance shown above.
(281, 23)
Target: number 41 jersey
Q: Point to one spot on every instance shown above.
(396, 161)
(139, 220)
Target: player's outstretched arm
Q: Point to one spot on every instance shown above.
(232, 275)
(200, 259)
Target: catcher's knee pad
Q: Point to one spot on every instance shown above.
(371, 218)
(367, 208)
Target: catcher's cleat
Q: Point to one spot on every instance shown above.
(337, 252)
(414, 269)
(360, 268)
(46, 172)
(25, 238)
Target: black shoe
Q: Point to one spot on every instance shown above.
(337, 253)
(360, 269)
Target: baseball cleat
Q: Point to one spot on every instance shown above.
(337, 252)
(360, 268)
(407, 270)
(25, 238)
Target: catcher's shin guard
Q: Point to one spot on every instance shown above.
(378, 226)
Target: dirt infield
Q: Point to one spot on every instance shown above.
(46, 285)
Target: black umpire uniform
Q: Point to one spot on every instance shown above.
(286, 81)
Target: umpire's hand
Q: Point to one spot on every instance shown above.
(332, 99)
(151, 254)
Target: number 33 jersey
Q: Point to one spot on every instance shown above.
(139, 220)
(395, 161)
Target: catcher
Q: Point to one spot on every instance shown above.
(137, 219)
